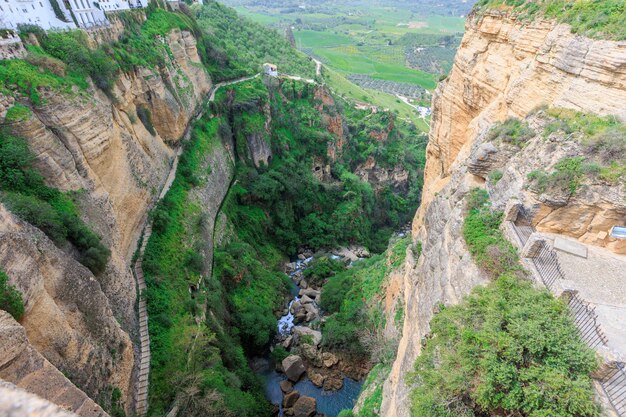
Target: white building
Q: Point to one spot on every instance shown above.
(87, 14)
(35, 12)
(116, 5)
(270, 69)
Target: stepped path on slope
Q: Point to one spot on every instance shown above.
(593, 287)
(142, 382)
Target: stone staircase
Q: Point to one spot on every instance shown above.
(141, 391)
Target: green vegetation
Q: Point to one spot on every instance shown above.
(507, 348)
(388, 49)
(321, 269)
(23, 190)
(512, 131)
(19, 76)
(495, 176)
(352, 60)
(603, 149)
(202, 366)
(10, 298)
(373, 386)
(602, 19)
(236, 46)
(352, 297)
(486, 242)
(17, 113)
(301, 209)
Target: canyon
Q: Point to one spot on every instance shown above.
(269, 168)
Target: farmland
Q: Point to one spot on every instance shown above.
(391, 48)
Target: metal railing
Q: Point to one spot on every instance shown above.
(614, 385)
(586, 320)
(584, 315)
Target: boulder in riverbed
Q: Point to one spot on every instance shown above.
(312, 312)
(309, 292)
(305, 331)
(290, 399)
(286, 386)
(287, 342)
(329, 359)
(316, 378)
(306, 300)
(293, 367)
(333, 382)
(305, 407)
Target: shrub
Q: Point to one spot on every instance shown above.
(321, 269)
(10, 298)
(17, 113)
(507, 349)
(55, 66)
(565, 178)
(38, 213)
(486, 242)
(495, 176)
(511, 131)
(72, 48)
(27, 196)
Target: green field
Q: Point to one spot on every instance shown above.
(342, 86)
(350, 59)
(390, 50)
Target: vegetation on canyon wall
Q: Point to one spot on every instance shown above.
(11, 299)
(23, 190)
(201, 366)
(507, 347)
(604, 19)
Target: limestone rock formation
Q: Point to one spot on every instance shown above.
(67, 317)
(507, 67)
(28, 370)
(504, 68)
(305, 407)
(85, 141)
(293, 367)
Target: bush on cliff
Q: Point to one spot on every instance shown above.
(10, 298)
(507, 348)
(55, 213)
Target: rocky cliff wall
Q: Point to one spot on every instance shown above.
(88, 143)
(504, 68)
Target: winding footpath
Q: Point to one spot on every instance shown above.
(142, 381)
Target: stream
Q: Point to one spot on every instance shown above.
(329, 403)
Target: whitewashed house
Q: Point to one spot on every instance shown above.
(88, 14)
(35, 12)
(116, 5)
(52, 14)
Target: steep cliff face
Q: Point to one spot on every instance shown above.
(93, 145)
(504, 68)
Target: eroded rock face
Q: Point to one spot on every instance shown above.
(85, 141)
(507, 68)
(67, 317)
(305, 407)
(28, 371)
(504, 68)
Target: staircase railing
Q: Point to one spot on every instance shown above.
(584, 315)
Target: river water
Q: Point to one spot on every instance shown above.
(329, 403)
